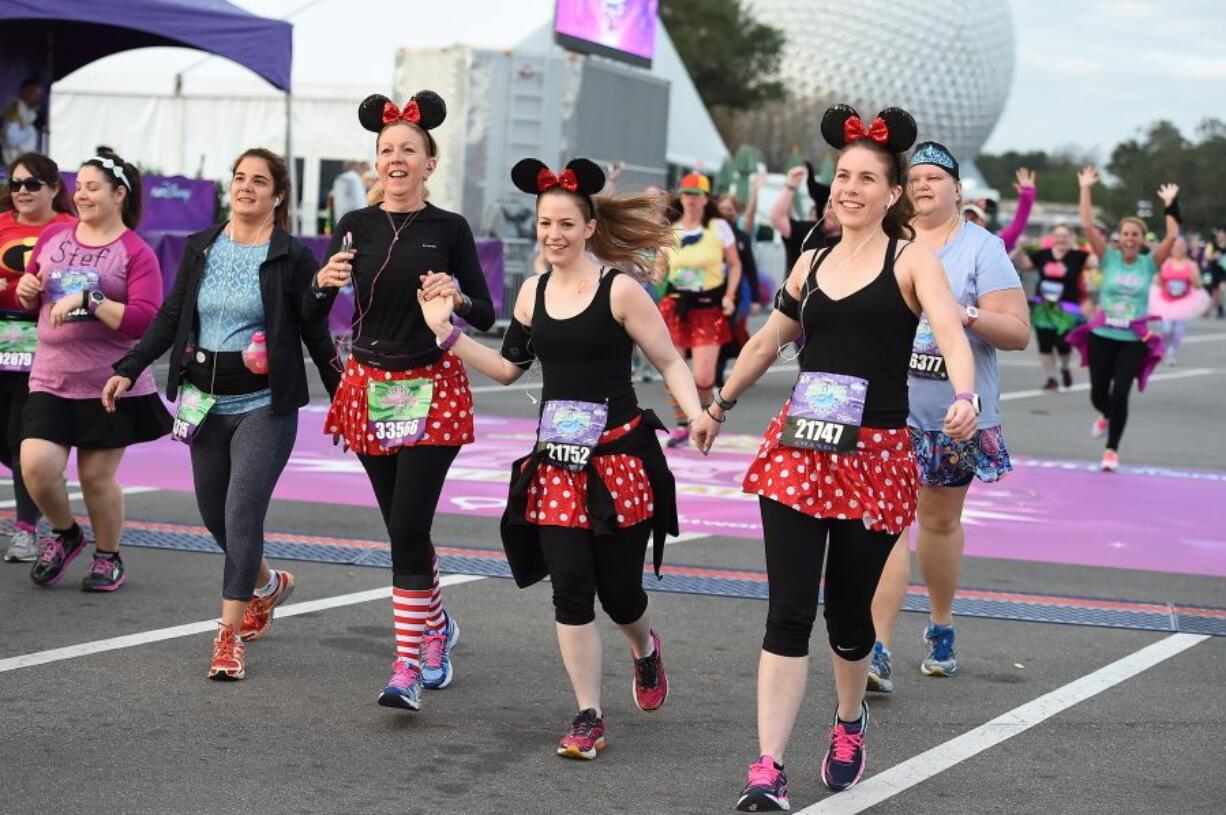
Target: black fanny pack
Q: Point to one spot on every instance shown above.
(231, 377)
(395, 356)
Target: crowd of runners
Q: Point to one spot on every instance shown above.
(893, 308)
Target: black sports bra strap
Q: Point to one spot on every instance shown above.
(890, 254)
(539, 306)
(818, 257)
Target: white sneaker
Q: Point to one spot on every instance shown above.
(1099, 428)
(23, 547)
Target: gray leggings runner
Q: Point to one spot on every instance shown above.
(236, 461)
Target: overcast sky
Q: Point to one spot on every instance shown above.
(1088, 72)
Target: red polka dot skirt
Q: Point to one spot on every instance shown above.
(559, 496)
(701, 326)
(877, 483)
(449, 424)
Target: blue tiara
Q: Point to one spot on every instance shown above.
(933, 153)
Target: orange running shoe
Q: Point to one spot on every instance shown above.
(229, 660)
(257, 619)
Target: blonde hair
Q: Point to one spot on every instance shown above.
(1132, 219)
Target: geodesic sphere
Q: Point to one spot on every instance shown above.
(948, 62)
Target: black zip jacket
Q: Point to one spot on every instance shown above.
(285, 277)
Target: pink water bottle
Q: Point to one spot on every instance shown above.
(255, 355)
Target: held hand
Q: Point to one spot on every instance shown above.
(703, 430)
(336, 271)
(114, 388)
(796, 176)
(66, 304)
(615, 170)
(1087, 177)
(729, 305)
(438, 284)
(437, 312)
(960, 421)
(1025, 178)
(29, 288)
(1168, 193)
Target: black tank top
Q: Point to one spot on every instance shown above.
(586, 357)
(868, 334)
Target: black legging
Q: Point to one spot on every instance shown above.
(407, 486)
(12, 403)
(582, 567)
(1051, 341)
(795, 544)
(1114, 366)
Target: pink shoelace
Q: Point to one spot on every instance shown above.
(844, 745)
(101, 565)
(432, 648)
(404, 673)
(763, 773)
(52, 550)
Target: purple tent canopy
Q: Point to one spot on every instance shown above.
(60, 36)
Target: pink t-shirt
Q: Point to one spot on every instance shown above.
(74, 360)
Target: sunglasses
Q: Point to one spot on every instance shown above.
(31, 184)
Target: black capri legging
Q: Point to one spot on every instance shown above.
(583, 567)
(407, 486)
(1114, 366)
(1052, 341)
(795, 545)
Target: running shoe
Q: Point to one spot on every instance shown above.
(1110, 462)
(678, 437)
(56, 552)
(229, 658)
(880, 670)
(650, 681)
(941, 659)
(1051, 386)
(404, 688)
(23, 546)
(105, 573)
(257, 619)
(1066, 378)
(436, 645)
(847, 756)
(766, 788)
(1099, 428)
(585, 738)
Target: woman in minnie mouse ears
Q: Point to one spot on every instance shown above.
(994, 315)
(404, 404)
(596, 487)
(703, 271)
(835, 469)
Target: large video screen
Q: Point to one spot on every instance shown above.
(619, 29)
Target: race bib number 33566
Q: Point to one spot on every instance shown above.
(397, 410)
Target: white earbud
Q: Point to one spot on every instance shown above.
(277, 203)
(892, 200)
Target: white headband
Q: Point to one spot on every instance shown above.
(114, 169)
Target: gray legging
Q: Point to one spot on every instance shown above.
(236, 461)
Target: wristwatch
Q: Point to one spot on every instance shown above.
(973, 398)
(972, 314)
(93, 300)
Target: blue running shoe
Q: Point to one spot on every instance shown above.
(436, 645)
(404, 688)
(941, 660)
(880, 671)
(766, 788)
(846, 758)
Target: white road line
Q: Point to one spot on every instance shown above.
(204, 626)
(1203, 338)
(919, 768)
(1161, 377)
(76, 496)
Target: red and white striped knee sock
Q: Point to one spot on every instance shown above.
(409, 612)
(436, 618)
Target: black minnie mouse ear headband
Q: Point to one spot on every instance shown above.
(581, 176)
(426, 109)
(893, 128)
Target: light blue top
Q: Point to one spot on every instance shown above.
(1124, 294)
(230, 310)
(976, 264)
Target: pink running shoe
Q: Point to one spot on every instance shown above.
(678, 437)
(650, 681)
(1099, 428)
(257, 619)
(585, 738)
(846, 758)
(766, 789)
(1110, 462)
